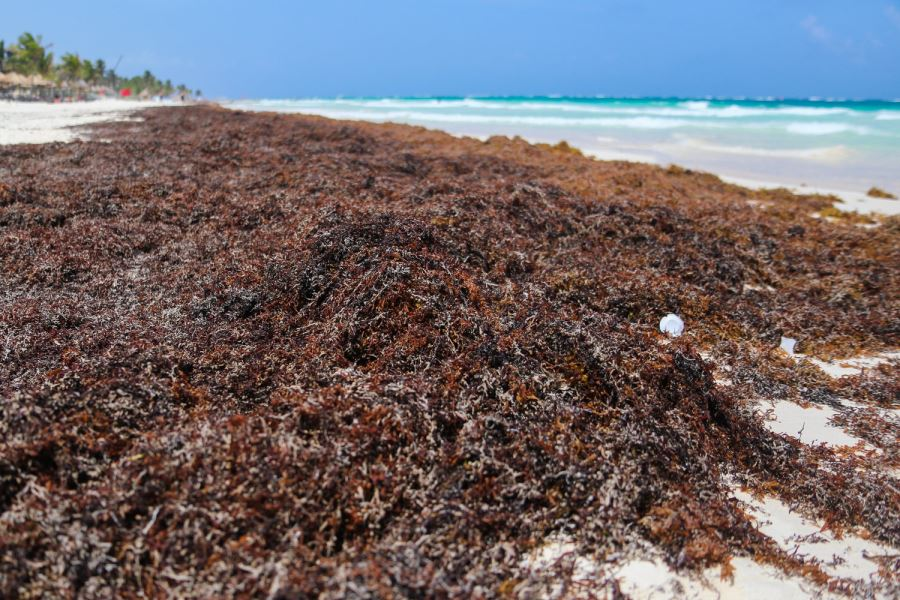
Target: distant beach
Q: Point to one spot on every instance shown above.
(42, 123)
(841, 146)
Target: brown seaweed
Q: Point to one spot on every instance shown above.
(250, 354)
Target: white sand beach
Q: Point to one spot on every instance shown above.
(42, 123)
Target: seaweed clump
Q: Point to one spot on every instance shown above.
(261, 354)
(876, 192)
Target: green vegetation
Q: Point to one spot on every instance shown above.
(28, 57)
(148, 81)
(31, 57)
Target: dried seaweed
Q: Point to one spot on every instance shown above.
(265, 354)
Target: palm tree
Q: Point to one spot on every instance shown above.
(100, 69)
(30, 57)
(70, 67)
(45, 64)
(88, 73)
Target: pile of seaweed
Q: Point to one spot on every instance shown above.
(249, 354)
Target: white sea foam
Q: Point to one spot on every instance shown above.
(823, 128)
(612, 154)
(643, 123)
(460, 117)
(737, 111)
(691, 109)
(555, 115)
(701, 110)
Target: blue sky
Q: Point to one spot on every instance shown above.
(789, 48)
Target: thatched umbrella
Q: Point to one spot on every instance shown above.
(39, 81)
(9, 79)
(19, 80)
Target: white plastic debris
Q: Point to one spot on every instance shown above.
(787, 344)
(672, 325)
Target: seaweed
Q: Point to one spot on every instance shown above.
(255, 354)
(876, 192)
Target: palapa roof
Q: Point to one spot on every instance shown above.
(17, 79)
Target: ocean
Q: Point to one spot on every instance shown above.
(831, 145)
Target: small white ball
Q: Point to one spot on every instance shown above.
(672, 325)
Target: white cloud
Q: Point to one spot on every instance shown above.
(843, 46)
(815, 29)
(893, 14)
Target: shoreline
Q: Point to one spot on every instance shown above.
(851, 201)
(847, 150)
(859, 202)
(38, 130)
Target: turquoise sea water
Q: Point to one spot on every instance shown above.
(831, 144)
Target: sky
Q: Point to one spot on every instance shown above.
(326, 48)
